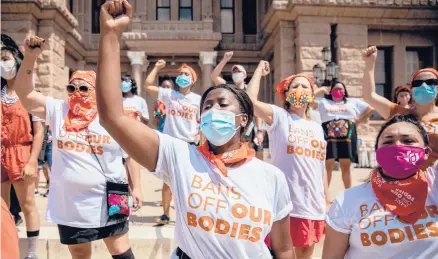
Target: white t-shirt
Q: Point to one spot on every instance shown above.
(77, 184)
(182, 114)
(350, 110)
(218, 216)
(135, 106)
(377, 233)
(298, 148)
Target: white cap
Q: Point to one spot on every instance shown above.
(239, 67)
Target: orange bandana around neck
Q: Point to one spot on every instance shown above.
(220, 161)
(405, 198)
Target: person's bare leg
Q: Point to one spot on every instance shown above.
(46, 172)
(80, 251)
(118, 244)
(304, 252)
(166, 195)
(6, 193)
(25, 194)
(329, 165)
(346, 172)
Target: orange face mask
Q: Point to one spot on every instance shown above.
(83, 107)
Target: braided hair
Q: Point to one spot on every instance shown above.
(245, 103)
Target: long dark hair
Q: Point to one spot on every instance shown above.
(410, 118)
(330, 97)
(246, 105)
(7, 43)
(128, 78)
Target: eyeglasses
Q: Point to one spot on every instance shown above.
(417, 83)
(72, 88)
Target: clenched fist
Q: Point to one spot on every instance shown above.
(160, 64)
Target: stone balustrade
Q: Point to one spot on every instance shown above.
(380, 3)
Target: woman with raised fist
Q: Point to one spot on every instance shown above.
(226, 200)
(89, 195)
(424, 85)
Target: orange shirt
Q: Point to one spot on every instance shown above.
(9, 235)
(431, 127)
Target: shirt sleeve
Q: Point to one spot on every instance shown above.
(144, 109)
(276, 113)
(336, 217)
(164, 95)
(168, 159)
(52, 107)
(361, 106)
(283, 204)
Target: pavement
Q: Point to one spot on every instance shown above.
(147, 239)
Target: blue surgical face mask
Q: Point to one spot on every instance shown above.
(126, 86)
(424, 94)
(183, 81)
(218, 126)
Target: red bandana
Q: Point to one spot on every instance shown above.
(405, 198)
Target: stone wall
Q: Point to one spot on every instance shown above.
(351, 41)
(284, 53)
(311, 38)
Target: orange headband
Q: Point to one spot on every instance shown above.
(87, 76)
(284, 84)
(401, 88)
(432, 70)
(192, 72)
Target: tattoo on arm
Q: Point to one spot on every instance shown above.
(29, 71)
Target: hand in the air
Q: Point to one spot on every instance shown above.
(160, 64)
(263, 67)
(34, 46)
(115, 16)
(228, 55)
(370, 56)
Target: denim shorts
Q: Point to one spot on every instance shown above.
(47, 157)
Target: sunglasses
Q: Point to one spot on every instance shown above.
(417, 83)
(72, 88)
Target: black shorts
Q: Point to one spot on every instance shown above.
(74, 236)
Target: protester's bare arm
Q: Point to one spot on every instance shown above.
(335, 245)
(216, 74)
(33, 101)
(137, 139)
(379, 103)
(281, 241)
(150, 85)
(261, 110)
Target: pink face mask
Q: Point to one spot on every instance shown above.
(400, 162)
(338, 94)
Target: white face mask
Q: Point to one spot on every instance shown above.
(238, 77)
(8, 69)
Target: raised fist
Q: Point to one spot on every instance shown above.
(228, 55)
(115, 16)
(264, 68)
(160, 64)
(370, 56)
(34, 46)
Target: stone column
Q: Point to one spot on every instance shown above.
(207, 60)
(137, 61)
(52, 74)
(351, 40)
(399, 70)
(284, 53)
(238, 23)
